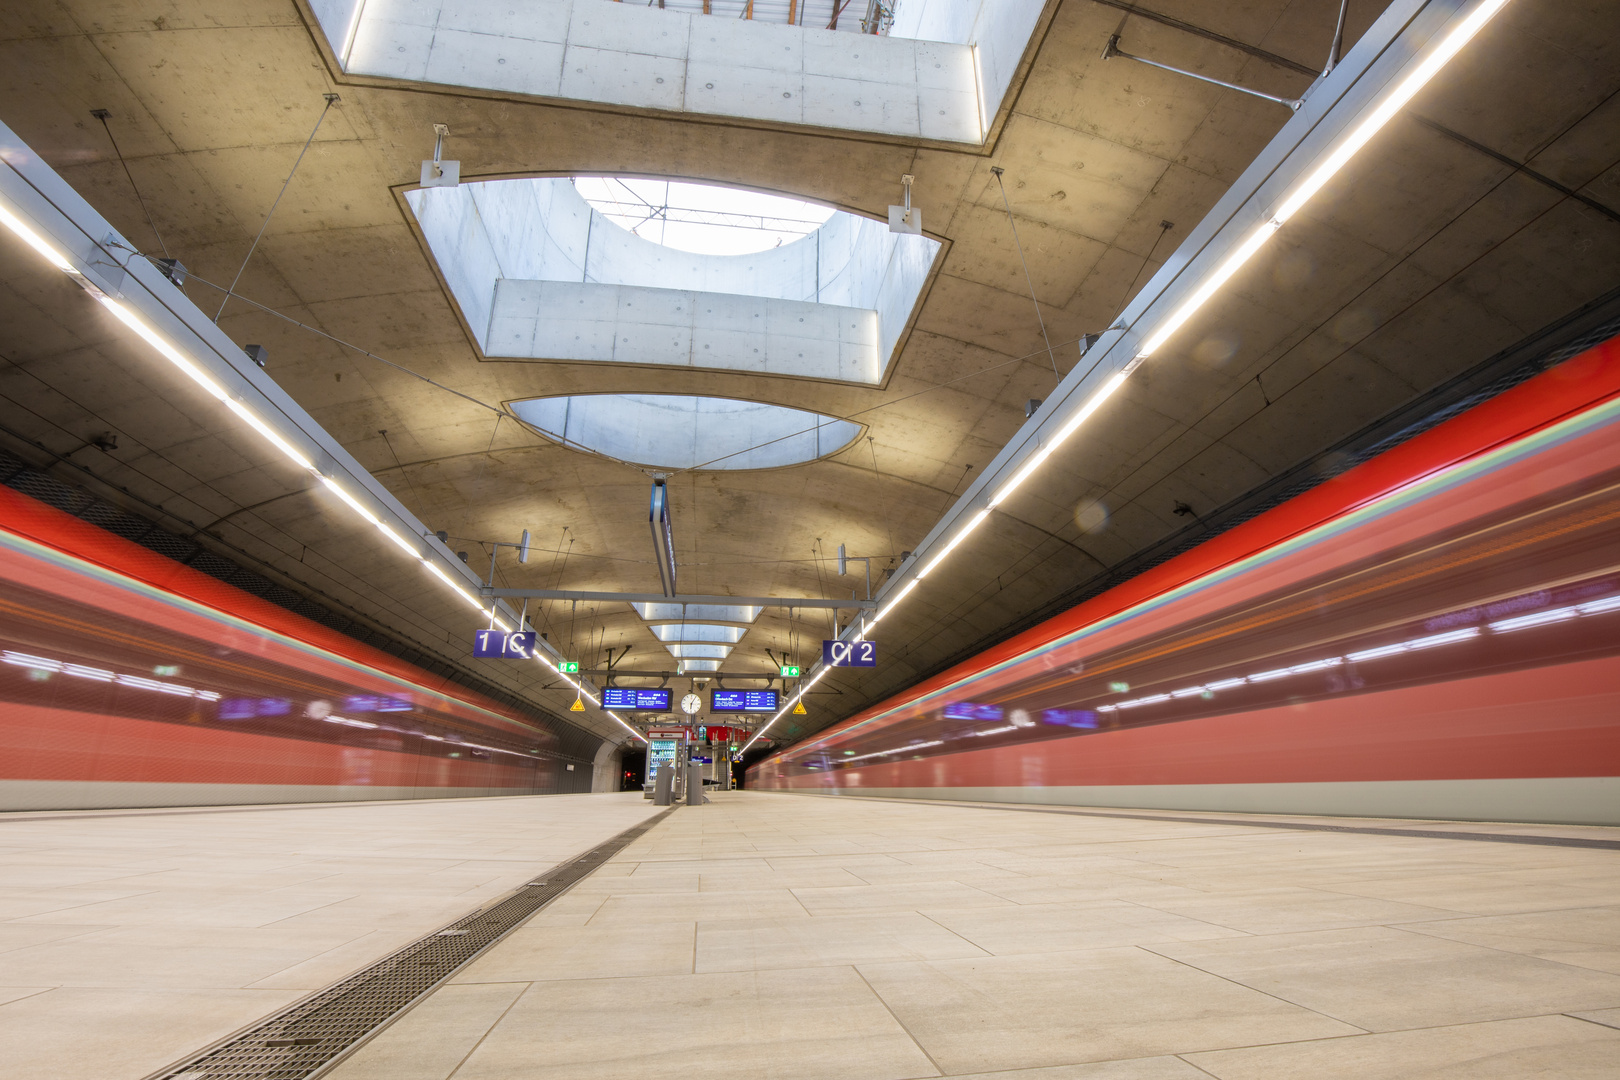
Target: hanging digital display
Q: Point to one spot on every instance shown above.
(725, 701)
(636, 699)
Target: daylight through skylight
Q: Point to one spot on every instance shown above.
(700, 218)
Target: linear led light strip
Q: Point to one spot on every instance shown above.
(167, 349)
(83, 671)
(1341, 155)
(1501, 626)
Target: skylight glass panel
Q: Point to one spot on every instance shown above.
(700, 665)
(718, 612)
(689, 651)
(730, 635)
(702, 218)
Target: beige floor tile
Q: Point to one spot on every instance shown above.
(816, 1024)
(432, 1040)
(547, 953)
(1029, 1011)
(96, 1034)
(1556, 1047)
(689, 907)
(1045, 928)
(1478, 894)
(921, 896)
(1384, 979)
(1283, 910)
(1153, 1068)
(17, 993)
(1606, 1017)
(1585, 937)
(828, 940)
(324, 969)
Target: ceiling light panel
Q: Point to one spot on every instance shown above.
(699, 652)
(712, 612)
(730, 635)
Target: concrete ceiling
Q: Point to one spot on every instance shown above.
(1429, 256)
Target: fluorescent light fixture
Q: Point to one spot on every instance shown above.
(1225, 684)
(1540, 618)
(1037, 459)
(1211, 284)
(406, 546)
(1443, 639)
(35, 241)
(962, 534)
(270, 435)
(1374, 654)
(1386, 109)
(354, 504)
(170, 353)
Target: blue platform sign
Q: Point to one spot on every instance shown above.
(503, 645)
(849, 653)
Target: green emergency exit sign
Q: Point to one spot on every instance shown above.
(569, 667)
(790, 671)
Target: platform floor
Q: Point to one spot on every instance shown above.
(130, 939)
(774, 936)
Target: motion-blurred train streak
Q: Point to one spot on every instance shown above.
(127, 679)
(1434, 633)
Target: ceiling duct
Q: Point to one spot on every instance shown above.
(663, 537)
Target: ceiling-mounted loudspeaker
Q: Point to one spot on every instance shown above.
(523, 547)
(905, 218)
(438, 172)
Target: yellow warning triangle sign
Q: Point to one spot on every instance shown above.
(799, 709)
(577, 706)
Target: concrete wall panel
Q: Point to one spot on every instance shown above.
(641, 57)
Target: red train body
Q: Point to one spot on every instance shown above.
(1435, 633)
(127, 679)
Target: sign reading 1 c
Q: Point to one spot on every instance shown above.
(849, 653)
(503, 645)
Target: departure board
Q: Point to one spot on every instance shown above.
(742, 701)
(636, 699)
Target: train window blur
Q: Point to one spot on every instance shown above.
(60, 654)
(1527, 585)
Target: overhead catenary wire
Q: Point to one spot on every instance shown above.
(996, 171)
(331, 99)
(102, 115)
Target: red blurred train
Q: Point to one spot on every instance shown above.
(127, 679)
(1435, 633)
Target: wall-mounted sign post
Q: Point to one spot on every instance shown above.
(849, 653)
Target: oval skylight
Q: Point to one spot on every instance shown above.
(674, 431)
(702, 218)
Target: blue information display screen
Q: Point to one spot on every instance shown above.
(743, 701)
(636, 699)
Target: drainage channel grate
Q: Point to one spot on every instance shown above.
(306, 1038)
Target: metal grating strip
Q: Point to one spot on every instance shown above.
(310, 1036)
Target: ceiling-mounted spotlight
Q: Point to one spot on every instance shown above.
(905, 218)
(438, 172)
